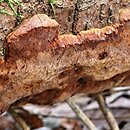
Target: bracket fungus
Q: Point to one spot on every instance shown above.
(41, 64)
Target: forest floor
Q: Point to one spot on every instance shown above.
(61, 117)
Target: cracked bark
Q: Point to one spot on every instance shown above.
(41, 64)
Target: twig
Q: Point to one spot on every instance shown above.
(107, 113)
(92, 118)
(112, 91)
(81, 115)
(18, 119)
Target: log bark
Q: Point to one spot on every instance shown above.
(40, 64)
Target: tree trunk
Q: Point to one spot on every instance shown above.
(42, 65)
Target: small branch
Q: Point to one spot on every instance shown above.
(92, 118)
(107, 113)
(18, 119)
(81, 115)
(112, 91)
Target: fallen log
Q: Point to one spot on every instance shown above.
(40, 66)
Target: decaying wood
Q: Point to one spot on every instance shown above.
(44, 67)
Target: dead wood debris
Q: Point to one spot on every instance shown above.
(19, 120)
(106, 111)
(81, 115)
(42, 64)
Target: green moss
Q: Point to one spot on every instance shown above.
(11, 4)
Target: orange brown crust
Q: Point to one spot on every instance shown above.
(40, 60)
